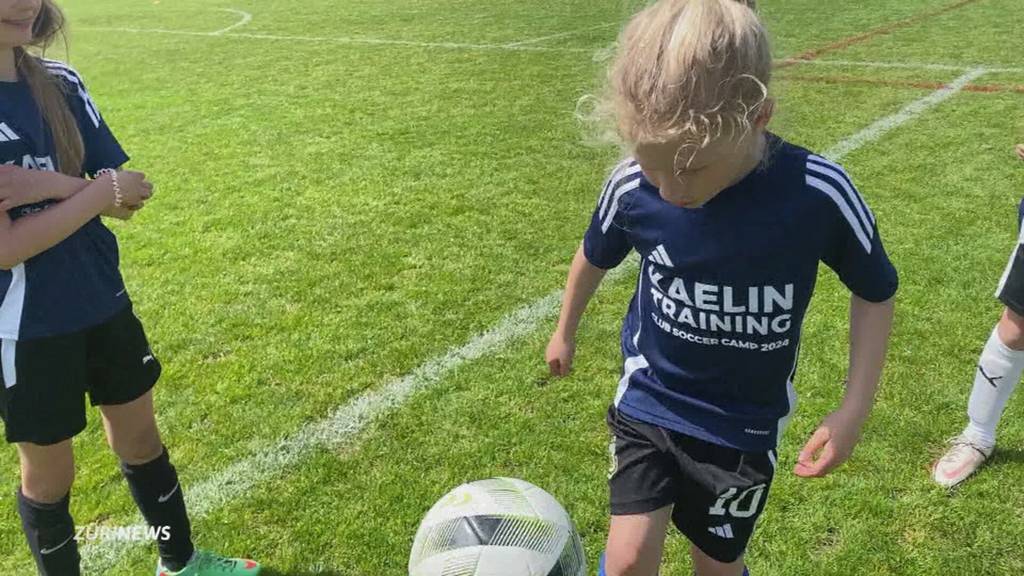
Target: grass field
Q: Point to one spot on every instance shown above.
(353, 195)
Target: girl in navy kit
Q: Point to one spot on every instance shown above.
(66, 323)
(730, 222)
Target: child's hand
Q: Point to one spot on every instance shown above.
(559, 354)
(831, 445)
(135, 190)
(1020, 151)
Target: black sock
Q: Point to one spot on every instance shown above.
(154, 485)
(50, 531)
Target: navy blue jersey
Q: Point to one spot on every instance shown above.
(711, 338)
(76, 284)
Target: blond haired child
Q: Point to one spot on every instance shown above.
(730, 222)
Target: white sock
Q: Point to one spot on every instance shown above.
(999, 370)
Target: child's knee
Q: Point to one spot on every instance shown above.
(47, 486)
(139, 448)
(1011, 330)
(47, 490)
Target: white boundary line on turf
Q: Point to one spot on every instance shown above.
(341, 40)
(560, 35)
(246, 18)
(524, 47)
(911, 111)
(906, 65)
(341, 427)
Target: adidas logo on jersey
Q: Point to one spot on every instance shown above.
(722, 531)
(660, 256)
(6, 134)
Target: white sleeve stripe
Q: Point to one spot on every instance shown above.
(832, 193)
(603, 202)
(619, 193)
(846, 180)
(7, 133)
(55, 65)
(90, 108)
(846, 177)
(620, 174)
(851, 195)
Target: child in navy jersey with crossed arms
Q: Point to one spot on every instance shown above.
(730, 223)
(67, 328)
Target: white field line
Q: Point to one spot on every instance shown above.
(524, 46)
(343, 425)
(560, 35)
(246, 18)
(342, 40)
(905, 65)
(908, 113)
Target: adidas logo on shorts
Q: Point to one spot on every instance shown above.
(722, 531)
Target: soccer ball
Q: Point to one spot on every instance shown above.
(497, 527)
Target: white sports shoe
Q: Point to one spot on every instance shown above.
(962, 459)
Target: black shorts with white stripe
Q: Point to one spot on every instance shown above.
(45, 380)
(717, 493)
(1011, 286)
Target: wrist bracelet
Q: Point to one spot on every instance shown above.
(118, 196)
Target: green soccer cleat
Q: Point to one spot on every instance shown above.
(205, 563)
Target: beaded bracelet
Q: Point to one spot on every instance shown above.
(118, 196)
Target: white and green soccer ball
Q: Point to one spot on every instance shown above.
(497, 527)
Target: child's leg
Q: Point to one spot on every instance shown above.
(999, 371)
(132, 434)
(47, 473)
(704, 565)
(636, 543)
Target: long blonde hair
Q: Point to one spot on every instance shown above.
(48, 91)
(688, 71)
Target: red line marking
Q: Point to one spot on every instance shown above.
(880, 31)
(980, 88)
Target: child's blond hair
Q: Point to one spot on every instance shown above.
(689, 71)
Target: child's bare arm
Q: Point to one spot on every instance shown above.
(35, 233)
(833, 442)
(21, 187)
(584, 279)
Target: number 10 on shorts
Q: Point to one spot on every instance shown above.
(741, 505)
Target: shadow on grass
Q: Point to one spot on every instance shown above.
(1006, 457)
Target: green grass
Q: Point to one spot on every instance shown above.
(330, 215)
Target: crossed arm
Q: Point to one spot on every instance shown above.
(79, 201)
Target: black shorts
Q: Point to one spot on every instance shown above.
(1011, 286)
(717, 492)
(45, 381)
